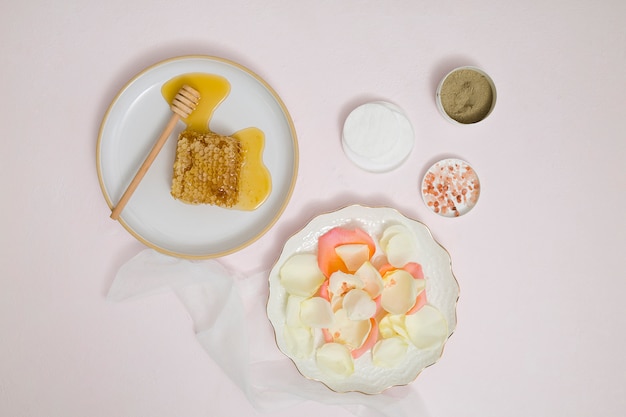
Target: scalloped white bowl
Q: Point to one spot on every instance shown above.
(443, 293)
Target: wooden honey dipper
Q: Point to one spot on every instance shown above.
(183, 104)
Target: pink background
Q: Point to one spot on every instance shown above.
(539, 260)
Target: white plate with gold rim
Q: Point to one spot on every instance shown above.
(134, 120)
(441, 285)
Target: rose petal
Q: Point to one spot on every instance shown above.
(371, 278)
(392, 325)
(389, 353)
(328, 338)
(336, 302)
(351, 333)
(299, 341)
(414, 269)
(328, 259)
(401, 249)
(398, 242)
(386, 268)
(340, 283)
(316, 312)
(399, 293)
(359, 305)
(300, 275)
(390, 232)
(335, 359)
(420, 301)
(369, 341)
(323, 291)
(292, 311)
(427, 328)
(353, 255)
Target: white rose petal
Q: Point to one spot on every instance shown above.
(359, 305)
(392, 325)
(427, 328)
(335, 359)
(336, 302)
(353, 255)
(401, 249)
(300, 275)
(349, 332)
(390, 232)
(372, 281)
(399, 293)
(340, 283)
(292, 311)
(389, 353)
(316, 312)
(299, 341)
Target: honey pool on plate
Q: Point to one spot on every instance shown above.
(255, 182)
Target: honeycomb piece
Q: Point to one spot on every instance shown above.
(207, 169)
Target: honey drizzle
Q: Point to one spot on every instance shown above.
(255, 182)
